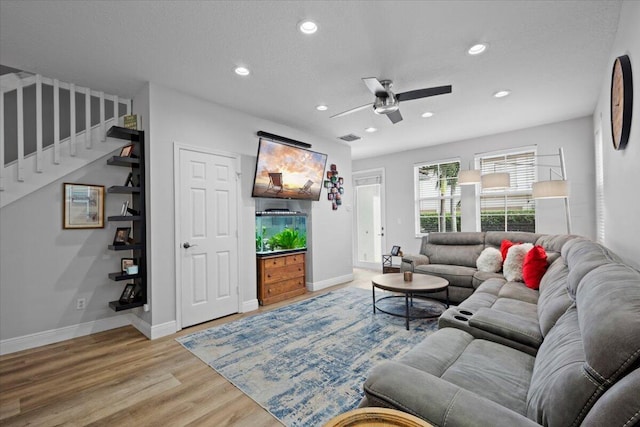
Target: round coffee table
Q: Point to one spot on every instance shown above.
(421, 284)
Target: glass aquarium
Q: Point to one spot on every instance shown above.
(280, 231)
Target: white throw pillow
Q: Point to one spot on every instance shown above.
(512, 268)
(490, 260)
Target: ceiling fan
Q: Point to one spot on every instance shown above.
(387, 102)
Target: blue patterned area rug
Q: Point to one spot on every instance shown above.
(306, 362)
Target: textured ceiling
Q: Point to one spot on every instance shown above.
(552, 55)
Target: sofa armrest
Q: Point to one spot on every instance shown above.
(415, 260)
(398, 386)
(507, 325)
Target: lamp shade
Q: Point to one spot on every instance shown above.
(469, 177)
(553, 189)
(496, 180)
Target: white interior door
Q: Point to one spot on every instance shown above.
(369, 230)
(208, 242)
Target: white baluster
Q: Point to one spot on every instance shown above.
(87, 120)
(56, 122)
(38, 123)
(103, 135)
(20, 105)
(115, 109)
(72, 119)
(2, 140)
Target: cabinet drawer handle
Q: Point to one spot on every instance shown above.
(268, 291)
(269, 276)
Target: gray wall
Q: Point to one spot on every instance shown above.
(575, 136)
(44, 269)
(621, 168)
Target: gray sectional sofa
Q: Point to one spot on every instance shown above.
(566, 355)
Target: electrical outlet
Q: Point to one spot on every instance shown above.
(81, 303)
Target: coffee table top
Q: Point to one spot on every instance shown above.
(421, 283)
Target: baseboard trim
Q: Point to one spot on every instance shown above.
(250, 305)
(323, 284)
(52, 336)
(163, 329)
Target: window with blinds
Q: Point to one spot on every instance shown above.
(437, 197)
(513, 208)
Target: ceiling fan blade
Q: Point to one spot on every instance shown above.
(423, 93)
(353, 110)
(375, 86)
(395, 117)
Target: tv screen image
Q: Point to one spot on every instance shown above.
(287, 172)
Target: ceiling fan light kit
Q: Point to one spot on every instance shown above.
(387, 103)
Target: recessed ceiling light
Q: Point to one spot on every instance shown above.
(242, 71)
(308, 27)
(370, 129)
(477, 49)
(427, 114)
(322, 107)
(501, 93)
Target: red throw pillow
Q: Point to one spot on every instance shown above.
(504, 247)
(534, 267)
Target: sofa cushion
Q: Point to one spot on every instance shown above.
(534, 267)
(456, 275)
(560, 389)
(620, 405)
(582, 256)
(608, 302)
(518, 291)
(490, 260)
(460, 249)
(495, 238)
(553, 299)
(491, 370)
(512, 267)
(479, 277)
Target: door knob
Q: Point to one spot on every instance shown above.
(187, 245)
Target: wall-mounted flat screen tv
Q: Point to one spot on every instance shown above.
(288, 172)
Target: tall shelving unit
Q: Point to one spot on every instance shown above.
(138, 247)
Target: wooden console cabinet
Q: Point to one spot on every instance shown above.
(280, 277)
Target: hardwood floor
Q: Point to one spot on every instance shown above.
(119, 377)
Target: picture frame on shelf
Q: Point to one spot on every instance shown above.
(395, 251)
(83, 206)
(128, 294)
(126, 151)
(125, 208)
(126, 262)
(122, 236)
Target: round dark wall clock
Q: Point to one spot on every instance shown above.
(621, 101)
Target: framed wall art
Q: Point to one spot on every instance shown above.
(83, 206)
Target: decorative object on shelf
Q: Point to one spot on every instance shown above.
(126, 151)
(131, 121)
(83, 206)
(126, 263)
(125, 207)
(122, 236)
(395, 251)
(621, 101)
(129, 180)
(335, 187)
(128, 294)
(132, 269)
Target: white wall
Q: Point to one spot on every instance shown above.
(44, 268)
(575, 136)
(621, 193)
(176, 117)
